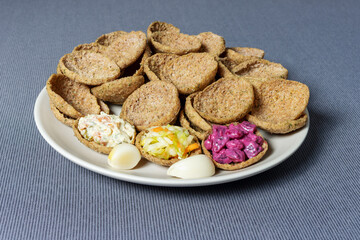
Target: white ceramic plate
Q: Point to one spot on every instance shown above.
(62, 139)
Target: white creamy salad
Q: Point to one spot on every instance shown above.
(107, 130)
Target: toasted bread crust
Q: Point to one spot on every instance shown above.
(235, 58)
(70, 121)
(127, 48)
(256, 83)
(94, 47)
(157, 160)
(104, 107)
(58, 71)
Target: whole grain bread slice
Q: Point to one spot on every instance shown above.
(191, 72)
(108, 38)
(185, 123)
(126, 48)
(154, 64)
(61, 117)
(71, 98)
(137, 68)
(117, 91)
(153, 104)
(283, 127)
(193, 116)
(226, 100)
(281, 100)
(89, 67)
(177, 43)
(70, 121)
(160, 27)
(122, 47)
(247, 51)
(211, 43)
(260, 68)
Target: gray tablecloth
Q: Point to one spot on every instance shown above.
(312, 195)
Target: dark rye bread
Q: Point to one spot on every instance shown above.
(88, 67)
(211, 43)
(191, 72)
(153, 104)
(71, 98)
(226, 100)
(154, 64)
(158, 160)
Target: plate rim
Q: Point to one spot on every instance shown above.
(175, 182)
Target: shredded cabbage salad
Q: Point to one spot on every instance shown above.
(168, 142)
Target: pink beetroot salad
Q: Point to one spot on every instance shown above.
(234, 143)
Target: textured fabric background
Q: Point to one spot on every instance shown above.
(313, 195)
